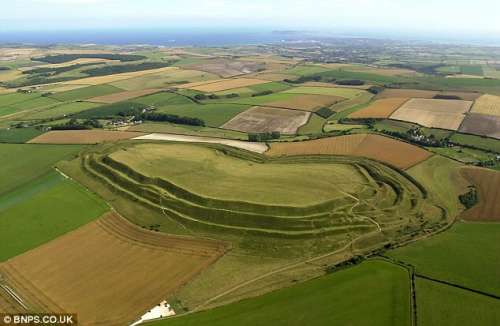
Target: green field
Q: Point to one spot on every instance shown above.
(49, 208)
(440, 304)
(214, 115)
(27, 105)
(305, 70)
(259, 100)
(373, 293)
(62, 110)
(23, 163)
(109, 110)
(348, 93)
(485, 143)
(13, 98)
(163, 99)
(475, 70)
(466, 255)
(86, 93)
(18, 135)
(464, 154)
(313, 126)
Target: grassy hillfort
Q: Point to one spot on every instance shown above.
(284, 184)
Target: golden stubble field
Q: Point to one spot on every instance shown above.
(380, 109)
(109, 272)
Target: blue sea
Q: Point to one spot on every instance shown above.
(148, 36)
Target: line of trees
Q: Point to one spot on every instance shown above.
(163, 117)
(74, 124)
(264, 136)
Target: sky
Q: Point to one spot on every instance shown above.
(453, 17)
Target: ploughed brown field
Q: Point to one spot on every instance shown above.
(444, 114)
(109, 272)
(482, 125)
(123, 96)
(83, 136)
(310, 103)
(487, 184)
(380, 148)
(380, 109)
(264, 119)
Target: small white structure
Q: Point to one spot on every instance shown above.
(159, 311)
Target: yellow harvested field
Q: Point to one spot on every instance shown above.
(83, 136)
(116, 77)
(56, 88)
(273, 76)
(228, 84)
(413, 93)
(76, 62)
(122, 96)
(305, 102)
(487, 104)
(108, 272)
(379, 109)
(380, 148)
(443, 114)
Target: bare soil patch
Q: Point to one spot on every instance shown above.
(380, 148)
(82, 136)
(482, 125)
(109, 271)
(487, 183)
(264, 119)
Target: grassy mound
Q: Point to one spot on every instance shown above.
(268, 197)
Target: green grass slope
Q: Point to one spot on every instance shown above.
(467, 255)
(23, 163)
(59, 206)
(374, 293)
(439, 304)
